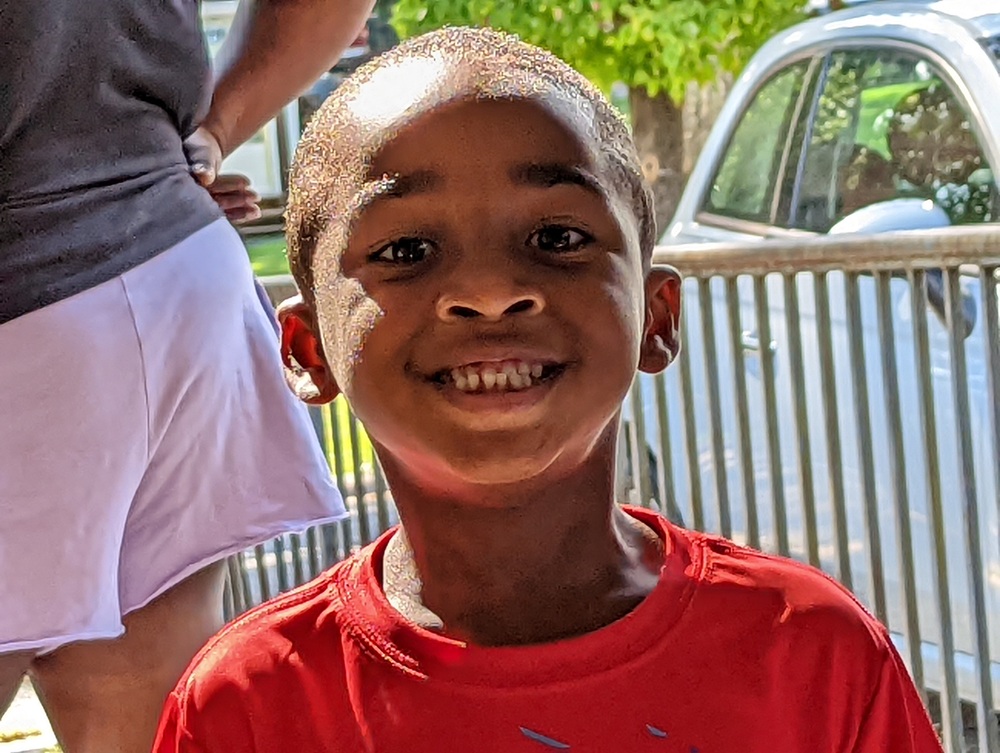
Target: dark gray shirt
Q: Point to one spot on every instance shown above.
(95, 98)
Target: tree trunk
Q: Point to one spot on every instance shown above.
(658, 129)
(670, 138)
(701, 108)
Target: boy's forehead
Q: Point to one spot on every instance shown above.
(397, 97)
(371, 114)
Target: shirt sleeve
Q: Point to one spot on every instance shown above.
(896, 719)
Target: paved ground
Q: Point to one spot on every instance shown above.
(25, 719)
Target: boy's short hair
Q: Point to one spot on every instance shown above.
(481, 64)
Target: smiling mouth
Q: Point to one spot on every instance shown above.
(498, 376)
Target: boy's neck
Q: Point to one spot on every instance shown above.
(550, 562)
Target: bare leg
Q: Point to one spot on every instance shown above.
(12, 670)
(107, 695)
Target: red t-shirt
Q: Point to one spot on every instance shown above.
(733, 652)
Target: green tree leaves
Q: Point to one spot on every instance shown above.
(659, 46)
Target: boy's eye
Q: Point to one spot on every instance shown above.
(404, 251)
(558, 238)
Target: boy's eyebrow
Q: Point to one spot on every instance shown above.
(535, 174)
(549, 174)
(395, 186)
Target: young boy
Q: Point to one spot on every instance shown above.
(472, 240)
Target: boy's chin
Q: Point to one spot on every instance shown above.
(514, 461)
(498, 471)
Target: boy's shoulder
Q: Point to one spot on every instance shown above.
(269, 658)
(780, 599)
(265, 641)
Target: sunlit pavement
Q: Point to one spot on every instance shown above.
(27, 721)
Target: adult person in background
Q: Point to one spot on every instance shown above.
(145, 428)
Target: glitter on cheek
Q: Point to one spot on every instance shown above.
(347, 316)
(347, 313)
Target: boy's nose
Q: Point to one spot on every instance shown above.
(490, 300)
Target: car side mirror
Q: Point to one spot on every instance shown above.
(936, 302)
(892, 215)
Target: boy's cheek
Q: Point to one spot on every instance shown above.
(347, 315)
(625, 290)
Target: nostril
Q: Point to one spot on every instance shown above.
(492, 307)
(463, 312)
(522, 306)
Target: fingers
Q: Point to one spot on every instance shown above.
(228, 182)
(243, 213)
(204, 155)
(204, 174)
(238, 208)
(231, 192)
(234, 196)
(233, 199)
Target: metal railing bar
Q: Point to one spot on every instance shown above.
(922, 249)
(862, 417)
(364, 525)
(742, 412)
(831, 417)
(260, 555)
(714, 407)
(763, 315)
(691, 434)
(897, 469)
(640, 460)
(793, 320)
(967, 484)
(665, 470)
(951, 713)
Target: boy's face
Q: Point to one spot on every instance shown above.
(515, 307)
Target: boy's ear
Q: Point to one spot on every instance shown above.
(661, 336)
(306, 370)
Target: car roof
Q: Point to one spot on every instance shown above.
(981, 17)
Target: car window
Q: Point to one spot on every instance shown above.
(886, 126)
(744, 183)
(992, 45)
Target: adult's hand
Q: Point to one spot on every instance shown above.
(204, 155)
(236, 198)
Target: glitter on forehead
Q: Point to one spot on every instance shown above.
(332, 164)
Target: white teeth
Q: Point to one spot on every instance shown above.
(516, 375)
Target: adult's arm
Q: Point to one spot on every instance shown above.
(277, 49)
